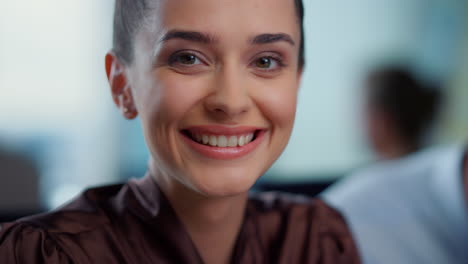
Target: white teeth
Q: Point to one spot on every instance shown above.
(241, 141)
(213, 141)
(249, 138)
(232, 141)
(224, 141)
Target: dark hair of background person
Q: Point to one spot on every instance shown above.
(129, 14)
(410, 104)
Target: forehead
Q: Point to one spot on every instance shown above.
(226, 18)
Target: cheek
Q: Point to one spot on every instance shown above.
(170, 97)
(378, 130)
(373, 125)
(278, 100)
(164, 103)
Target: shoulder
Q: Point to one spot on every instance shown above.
(302, 223)
(383, 180)
(43, 238)
(286, 203)
(89, 210)
(285, 207)
(26, 243)
(388, 182)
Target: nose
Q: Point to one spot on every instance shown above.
(230, 97)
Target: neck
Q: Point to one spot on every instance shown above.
(396, 151)
(212, 223)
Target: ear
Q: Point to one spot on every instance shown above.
(120, 88)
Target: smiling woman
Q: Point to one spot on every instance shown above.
(215, 84)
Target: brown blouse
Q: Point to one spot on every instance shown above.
(134, 223)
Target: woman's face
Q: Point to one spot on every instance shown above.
(215, 83)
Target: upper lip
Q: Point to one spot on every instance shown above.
(222, 130)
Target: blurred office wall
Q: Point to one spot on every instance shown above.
(55, 105)
(344, 40)
(454, 125)
(54, 101)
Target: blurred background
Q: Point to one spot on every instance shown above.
(60, 132)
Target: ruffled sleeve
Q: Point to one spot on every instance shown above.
(23, 243)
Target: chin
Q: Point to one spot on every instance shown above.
(224, 184)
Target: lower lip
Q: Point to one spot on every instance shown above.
(227, 153)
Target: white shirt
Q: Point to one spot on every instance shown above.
(411, 210)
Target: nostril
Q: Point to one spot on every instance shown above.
(227, 104)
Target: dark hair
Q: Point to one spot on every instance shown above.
(409, 103)
(128, 17)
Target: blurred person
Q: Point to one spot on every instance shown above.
(411, 210)
(215, 83)
(19, 185)
(410, 207)
(399, 111)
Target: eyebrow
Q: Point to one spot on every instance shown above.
(272, 38)
(205, 38)
(189, 35)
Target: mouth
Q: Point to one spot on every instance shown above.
(223, 143)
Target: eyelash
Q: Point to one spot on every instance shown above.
(177, 55)
(173, 59)
(277, 59)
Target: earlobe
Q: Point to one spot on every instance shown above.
(120, 89)
(126, 104)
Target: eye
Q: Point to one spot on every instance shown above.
(268, 63)
(185, 59)
(264, 62)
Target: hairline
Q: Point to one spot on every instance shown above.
(124, 48)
